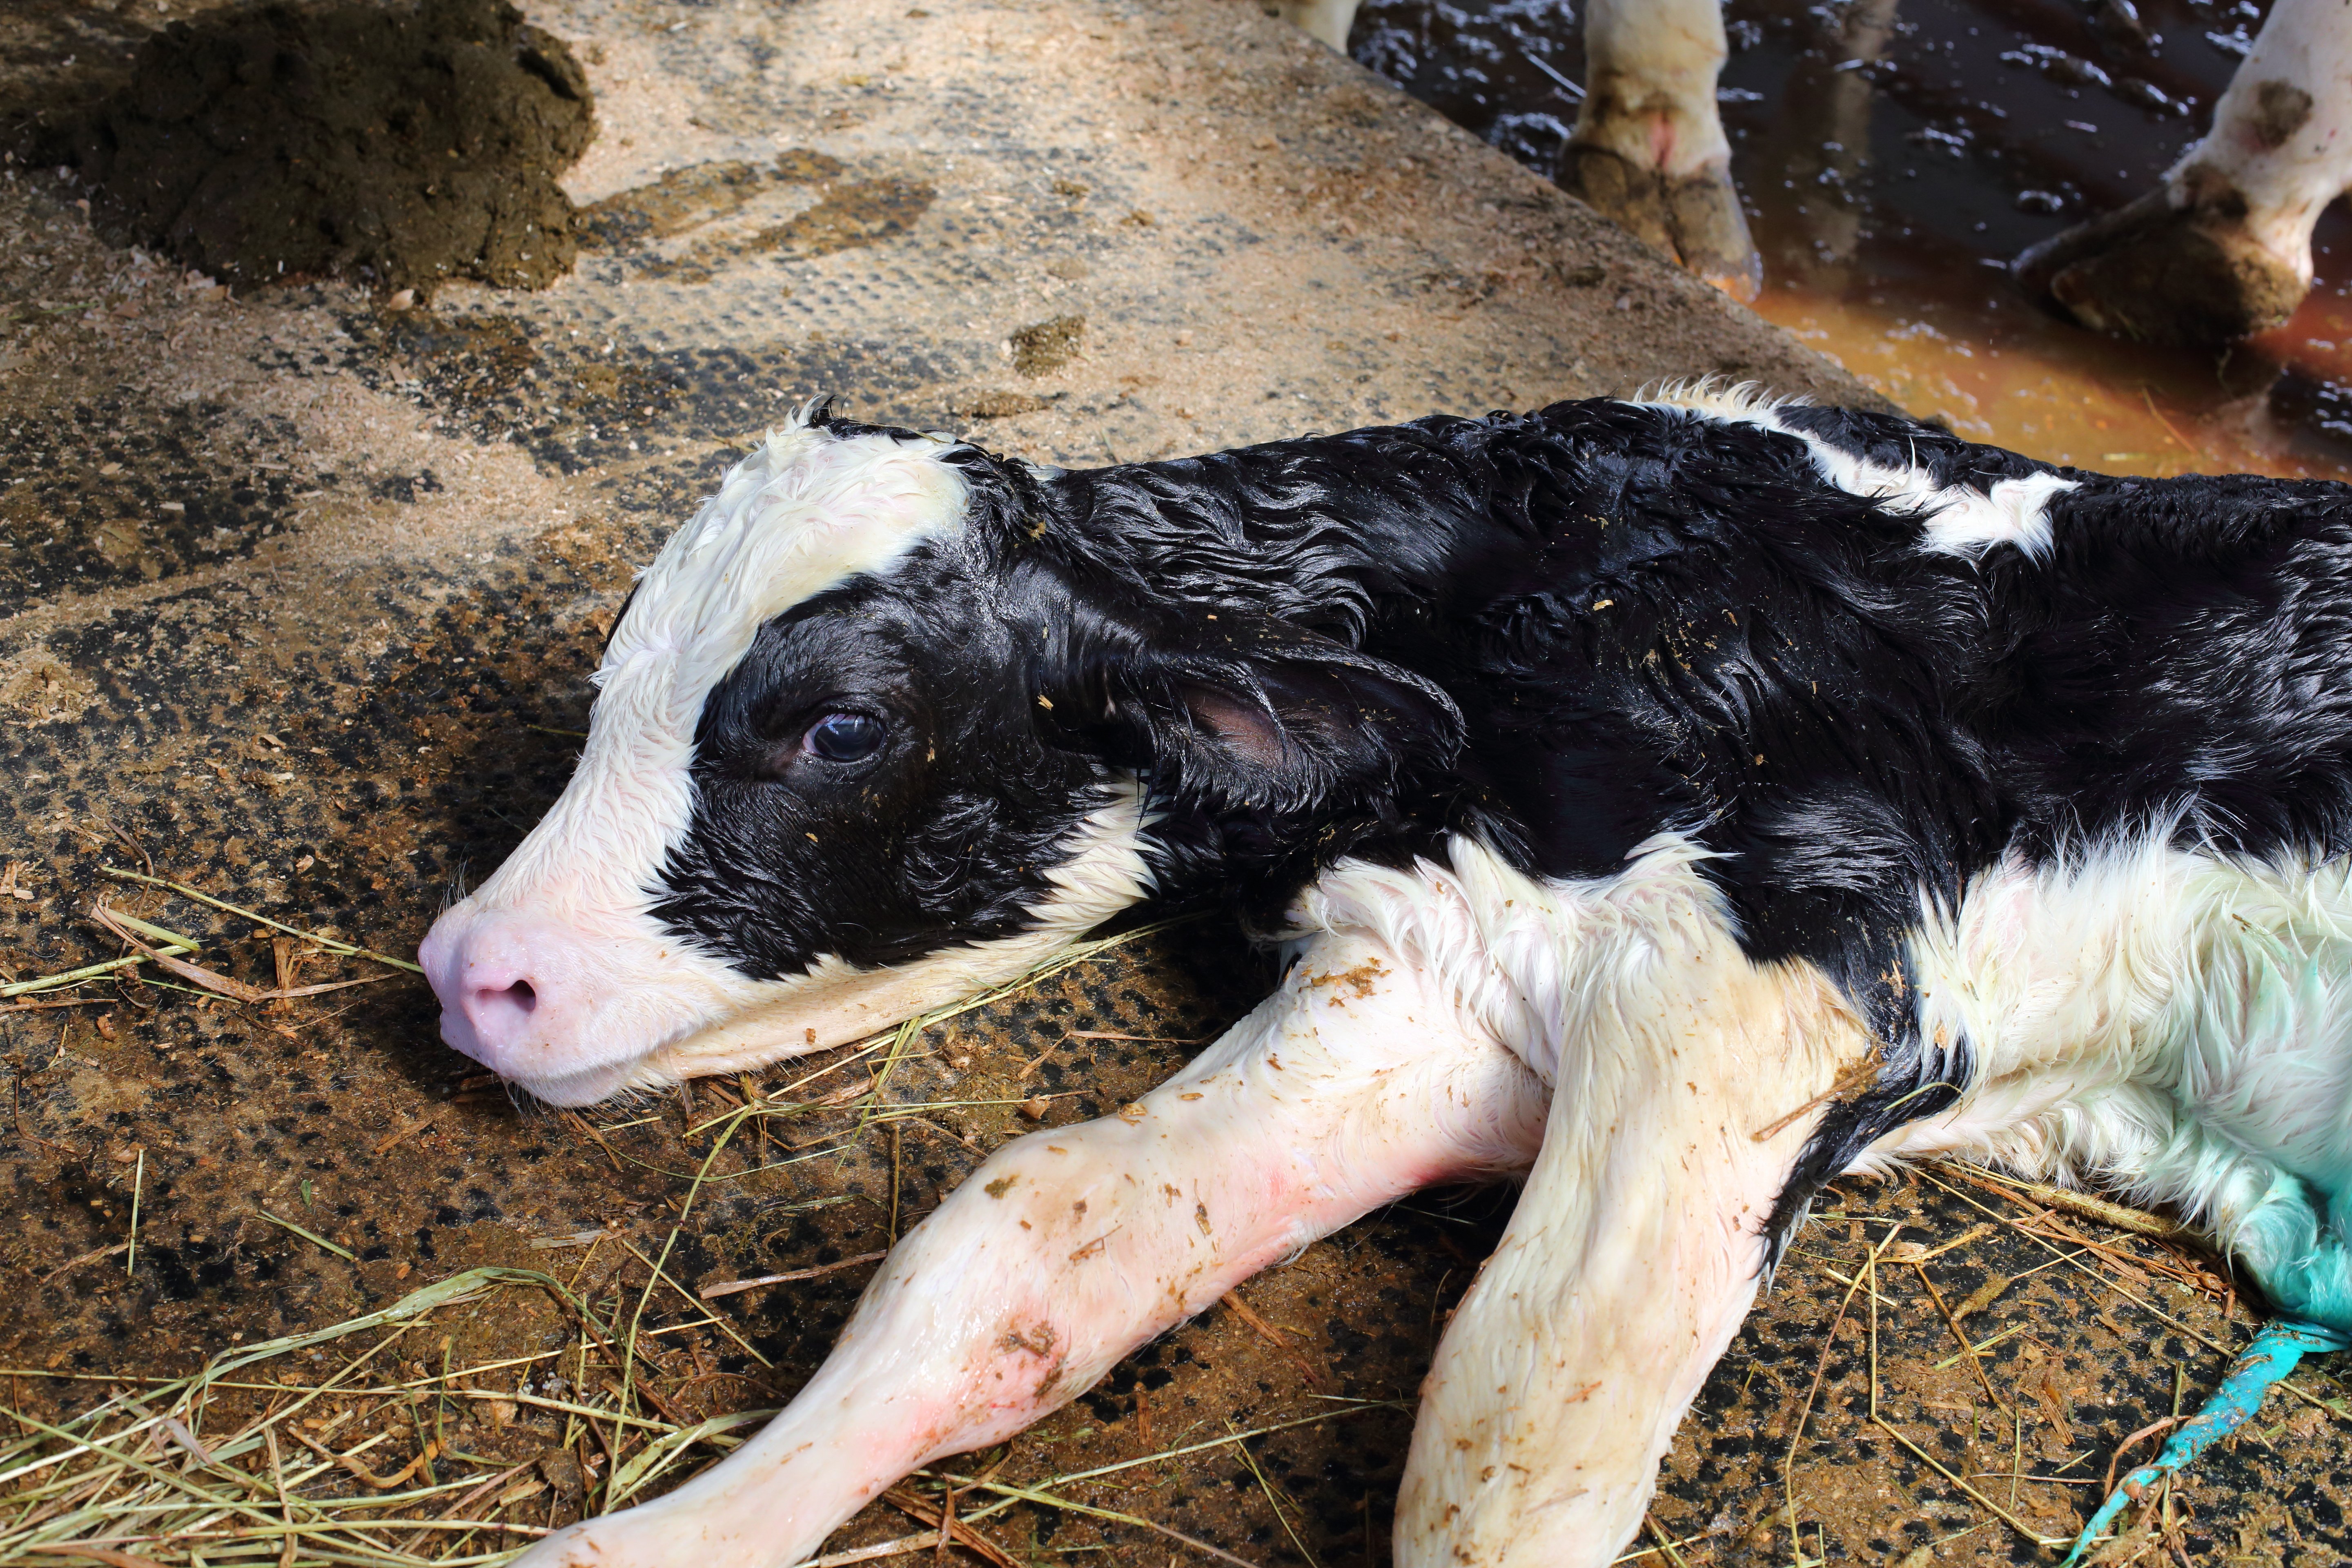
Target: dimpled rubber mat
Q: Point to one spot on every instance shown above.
(300, 590)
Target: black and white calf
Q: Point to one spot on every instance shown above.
(1678, 802)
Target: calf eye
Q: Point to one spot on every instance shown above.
(843, 737)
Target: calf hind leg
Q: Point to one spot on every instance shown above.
(1354, 1084)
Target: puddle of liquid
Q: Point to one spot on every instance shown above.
(1893, 155)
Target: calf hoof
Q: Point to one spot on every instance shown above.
(1695, 220)
(2183, 275)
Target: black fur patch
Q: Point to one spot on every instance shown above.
(944, 836)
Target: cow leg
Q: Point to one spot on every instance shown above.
(1631, 1256)
(2223, 247)
(1649, 148)
(1354, 1084)
(1327, 22)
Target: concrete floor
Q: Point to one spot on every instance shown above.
(297, 599)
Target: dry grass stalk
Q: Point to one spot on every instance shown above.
(1274, 1501)
(1315, 1375)
(212, 980)
(325, 943)
(170, 951)
(174, 1472)
(732, 1286)
(946, 1526)
(2090, 1206)
(138, 1477)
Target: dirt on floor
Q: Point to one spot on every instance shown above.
(298, 595)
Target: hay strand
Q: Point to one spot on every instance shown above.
(325, 944)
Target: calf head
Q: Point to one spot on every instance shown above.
(868, 739)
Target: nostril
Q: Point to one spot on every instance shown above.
(500, 1012)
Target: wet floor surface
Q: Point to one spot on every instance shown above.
(299, 601)
(1893, 156)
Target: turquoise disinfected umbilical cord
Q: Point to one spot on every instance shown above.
(2277, 1346)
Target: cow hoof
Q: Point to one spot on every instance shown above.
(2182, 275)
(1711, 233)
(1627, 197)
(1697, 221)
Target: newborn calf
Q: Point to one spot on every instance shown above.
(1678, 802)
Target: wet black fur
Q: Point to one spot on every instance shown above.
(1561, 633)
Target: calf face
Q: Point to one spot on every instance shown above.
(810, 798)
(867, 741)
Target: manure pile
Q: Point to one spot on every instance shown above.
(399, 146)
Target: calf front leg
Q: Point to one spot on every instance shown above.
(1354, 1084)
(1631, 1256)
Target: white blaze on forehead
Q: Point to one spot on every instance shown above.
(806, 511)
(1955, 519)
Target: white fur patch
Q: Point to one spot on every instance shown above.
(806, 510)
(2170, 1020)
(1526, 958)
(1955, 519)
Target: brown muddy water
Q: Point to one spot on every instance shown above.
(1893, 155)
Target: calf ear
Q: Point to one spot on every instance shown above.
(1244, 713)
